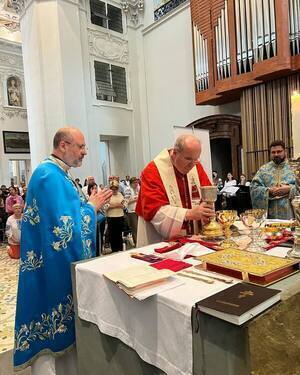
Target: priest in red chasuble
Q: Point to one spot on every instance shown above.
(169, 202)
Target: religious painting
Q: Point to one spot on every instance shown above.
(162, 7)
(14, 96)
(16, 142)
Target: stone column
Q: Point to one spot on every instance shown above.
(54, 73)
(134, 10)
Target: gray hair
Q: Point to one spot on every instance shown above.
(63, 134)
(181, 141)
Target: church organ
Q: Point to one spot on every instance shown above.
(240, 43)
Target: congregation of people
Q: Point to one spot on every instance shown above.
(82, 220)
(116, 222)
(271, 188)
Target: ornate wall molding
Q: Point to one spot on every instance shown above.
(110, 47)
(9, 46)
(9, 61)
(134, 9)
(19, 5)
(9, 19)
(10, 112)
(7, 111)
(11, 65)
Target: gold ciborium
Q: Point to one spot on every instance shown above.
(209, 195)
(227, 218)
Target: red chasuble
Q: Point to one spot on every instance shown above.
(153, 195)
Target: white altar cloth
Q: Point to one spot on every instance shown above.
(158, 328)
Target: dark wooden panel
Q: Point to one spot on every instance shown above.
(205, 14)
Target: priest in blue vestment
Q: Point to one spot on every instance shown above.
(273, 186)
(58, 228)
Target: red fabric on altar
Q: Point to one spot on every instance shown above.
(183, 240)
(152, 194)
(166, 249)
(172, 265)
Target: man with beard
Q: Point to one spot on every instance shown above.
(58, 228)
(273, 186)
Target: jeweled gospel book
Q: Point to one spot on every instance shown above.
(261, 269)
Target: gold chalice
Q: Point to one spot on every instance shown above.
(209, 195)
(227, 218)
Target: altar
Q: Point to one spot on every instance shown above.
(164, 335)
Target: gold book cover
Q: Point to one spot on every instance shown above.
(254, 267)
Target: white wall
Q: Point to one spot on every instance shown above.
(11, 118)
(119, 156)
(106, 119)
(169, 77)
(159, 65)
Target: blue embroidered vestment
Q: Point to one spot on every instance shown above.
(58, 228)
(272, 174)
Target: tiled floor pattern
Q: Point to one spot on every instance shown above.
(8, 290)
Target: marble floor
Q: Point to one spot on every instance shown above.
(8, 290)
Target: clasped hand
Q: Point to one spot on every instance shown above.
(100, 198)
(279, 190)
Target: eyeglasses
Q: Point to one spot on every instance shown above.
(81, 147)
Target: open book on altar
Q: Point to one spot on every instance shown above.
(143, 281)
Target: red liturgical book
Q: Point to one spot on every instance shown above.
(239, 303)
